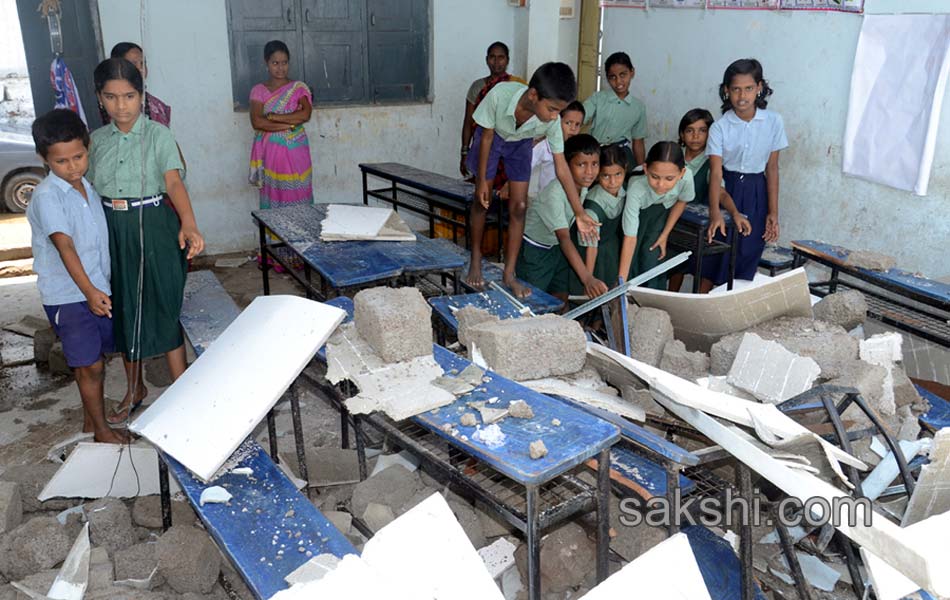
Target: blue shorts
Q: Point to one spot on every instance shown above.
(517, 157)
(85, 336)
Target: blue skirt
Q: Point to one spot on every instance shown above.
(749, 192)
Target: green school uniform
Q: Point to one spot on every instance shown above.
(116, 171)
(615, 119)
(607, 210)
(497, 111)
(700, 168)
(540, 260)
(644, 216)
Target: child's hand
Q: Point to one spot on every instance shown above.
(588, 228)
(463, 167)
(716, 225)
(743, 225)
(483, 193)
(771, 228)
(191, 237)
(661, 244)
(505, 192)
(594, 287)
(99, 303)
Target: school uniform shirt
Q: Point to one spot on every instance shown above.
(640, 195)
(497, 111)
(610, 204)
(549, 212)
(615, 119)
(745, 146)
(542, 159)
(115, 159)
(57, 207)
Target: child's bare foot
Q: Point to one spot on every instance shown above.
(122, 412)
(112, 436)
(517, 290)
(474, 277)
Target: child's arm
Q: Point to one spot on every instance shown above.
(675, 212)
(482, 185)
(591, 258)
(188, 234)
(771, 184)
(593, 287)
(726, 202)
(639, 152)
(298, 117)
(586, 226)
(466, 136)
(626, 255)
(716, 221)
(99, 302)
(260, 123)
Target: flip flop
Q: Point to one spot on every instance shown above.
(131, 411)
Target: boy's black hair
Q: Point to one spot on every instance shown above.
(618, 58)
(744, 66)
(501, 45)
(56, 126)
(117, 68)
(582, 143)
(613, 155)
(666, 152)
(554, 81)
(696, 114)
(123, 48)
(275, 46)
(576, 106)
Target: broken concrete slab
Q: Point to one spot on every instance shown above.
(720, 383)
(38, 544)
(224, 386)
(932, 493)
(770, 372)
(376, 516)
(27, 326)
(867, 379)
(700, 320)
(11, 506)
(393, 487)
(531, 347)
(333, 466)
(591, 391)
(137, 566)
(110, 524)
(679, 361)
(847, 309)
(883, 349)
(468, 317)
(188, 560)
(340, 519)
(43, 340)
(650, 331)
(568, 558)
(357, 222)
(397, 322)
(147, 512)
(872, 261)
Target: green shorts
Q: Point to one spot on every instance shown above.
(545, 269)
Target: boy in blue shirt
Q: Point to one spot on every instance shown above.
(71, 260)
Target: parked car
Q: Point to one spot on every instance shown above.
(20, 170)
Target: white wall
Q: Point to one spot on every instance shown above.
(12, 55)
(189, 68)
(680, 56)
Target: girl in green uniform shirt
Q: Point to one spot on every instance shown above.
(135, 166)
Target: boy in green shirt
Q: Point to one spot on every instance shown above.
(548, 252)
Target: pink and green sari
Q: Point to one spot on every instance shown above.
(280, 160)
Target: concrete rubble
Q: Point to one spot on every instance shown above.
(872, 261)
(397, 322)
(531, 347)
(847, 309)
(468, 317)
(770, 372)
(650, 330)
(188, 560)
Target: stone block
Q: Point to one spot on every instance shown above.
(32, 480)
(869, 380)
(883, 349)
(340, 519)
(847, 309)
(376, 516)
(101, 571)
(872, 261)
(38, 544)
(682, 363)
(43, 341)
(137, 563)
(188, 560)
(157, 373)
(770, 372)
(397, 322)
(11, 507)
(468, 317)
(147, 512)
(57, 360)
(568, 560)
(393, 487)
(110, 524)
(650, 330)
(532, 347)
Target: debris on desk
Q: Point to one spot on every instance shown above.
(489, 415)
(872, 261)
(531, 347)
(396, 322)
(491, 436)
(348, 222)
(468, 420)
(243, 471)
(537, 449)
(556, 422)
(520, 409)
(214, 495)
(469, 317)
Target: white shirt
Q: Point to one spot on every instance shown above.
(745, 146)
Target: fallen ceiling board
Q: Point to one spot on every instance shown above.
(932, 493)
(699, 320)
(357, 222)
(668, 570)
(91, 471)
(206, 414)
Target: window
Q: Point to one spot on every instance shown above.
(348, 51)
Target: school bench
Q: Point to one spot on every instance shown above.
(938, 416)
(428, 194)
(898, 298)
(776, 259)
(344, 267)
(689, 233)
(269, 528)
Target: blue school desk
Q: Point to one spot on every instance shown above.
(437, 197)
(344, 267)
(269, 528)
(898, 298)
(776, 259)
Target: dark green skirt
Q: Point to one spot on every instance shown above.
(608, 250)
(163, 282)
(652, 222)
(545, 269)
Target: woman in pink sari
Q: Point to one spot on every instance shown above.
(280, 155)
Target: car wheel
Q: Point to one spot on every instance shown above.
(19, 189)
